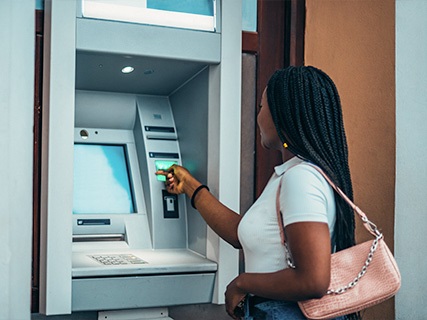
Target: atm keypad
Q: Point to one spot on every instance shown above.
(117, 259)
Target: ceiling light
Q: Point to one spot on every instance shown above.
(128, 69)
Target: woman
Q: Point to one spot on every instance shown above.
(300, 116)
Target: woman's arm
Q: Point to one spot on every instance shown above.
(220, 218)
(310, 245)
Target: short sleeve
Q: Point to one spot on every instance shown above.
(305, 196)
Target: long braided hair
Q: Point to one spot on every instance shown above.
(306, 111)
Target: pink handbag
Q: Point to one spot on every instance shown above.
(361, 276)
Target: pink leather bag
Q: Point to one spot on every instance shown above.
(361, 276)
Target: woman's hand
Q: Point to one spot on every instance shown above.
(233, 296)
(219, 217)
(176, 178)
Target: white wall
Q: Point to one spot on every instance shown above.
(411, 156)
(17, 37)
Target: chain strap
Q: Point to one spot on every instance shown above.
(289, 257)
(362, 272)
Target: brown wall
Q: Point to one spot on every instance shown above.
(353, 41)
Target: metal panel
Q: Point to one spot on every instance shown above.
(141, 292)
(150, 41)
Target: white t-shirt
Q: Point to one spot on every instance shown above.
(305, 196)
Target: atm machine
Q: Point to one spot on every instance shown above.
(113, 239)
(129, 234)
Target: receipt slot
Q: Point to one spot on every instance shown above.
(112, 237)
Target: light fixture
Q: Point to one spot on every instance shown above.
(128, 69)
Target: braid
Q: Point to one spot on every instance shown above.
(306, 110)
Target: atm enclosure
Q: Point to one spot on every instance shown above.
(106, 133)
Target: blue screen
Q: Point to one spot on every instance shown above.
(101, 180)
(202, 7)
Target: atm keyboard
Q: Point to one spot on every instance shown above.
(117, 259)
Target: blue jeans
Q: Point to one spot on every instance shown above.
(273, 310)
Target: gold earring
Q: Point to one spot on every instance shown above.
(285, 145)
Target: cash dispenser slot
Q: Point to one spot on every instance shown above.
(164, 155)
(159, 129)
(90, 237)
(93, 222)
(160, 133)
(98, 237)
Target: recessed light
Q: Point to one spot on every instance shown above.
(148, 71)
(128, 69)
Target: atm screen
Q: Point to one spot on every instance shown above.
(101, 180)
